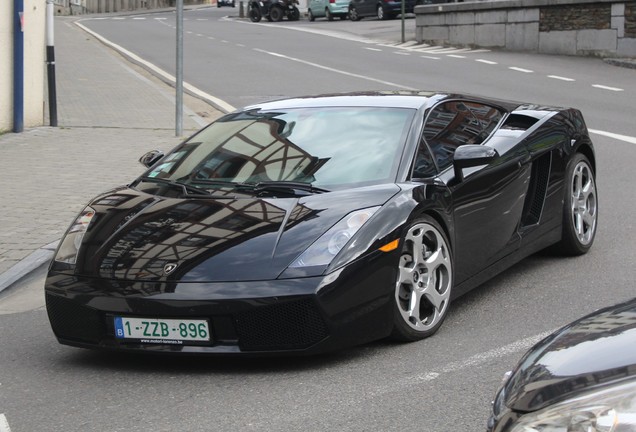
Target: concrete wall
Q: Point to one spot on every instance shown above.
(605, 28)
(34, 63)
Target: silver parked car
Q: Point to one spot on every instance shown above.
(328, 9)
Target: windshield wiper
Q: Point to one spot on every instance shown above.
(287, 187)
(186, 188)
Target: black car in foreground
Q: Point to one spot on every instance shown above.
(580, 378)
(310, 224)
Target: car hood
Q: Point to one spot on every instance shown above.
(594, 350)
(139, 236)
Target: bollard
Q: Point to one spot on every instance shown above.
(241, 11)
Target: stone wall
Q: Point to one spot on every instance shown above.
(564, 18)
(605, 28)
(630, 20)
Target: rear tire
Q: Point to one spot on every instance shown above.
(381, 15)
(255, 14)
(328, 15)
(580, 208)
(425, 279)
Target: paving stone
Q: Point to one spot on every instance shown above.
(109, 114)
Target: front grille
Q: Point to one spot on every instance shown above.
(291, 325)
(74, 321)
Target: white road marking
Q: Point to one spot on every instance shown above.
(139, 18)
(561, 78)
(461, 365)
(161, 19)
(406, 44)
(240, 45)
(335, 34)
(319, 66)
(119, 18)
(372, 49)
(210, 37)
(430, 57)
(477, 359)
(455, 56)
(628, 139)
(219, 103)
(4, 424)
(202, 19)
(518, 69)
(444, 51)
(428, 48)
(199, 34)
(486, 61)
(602, 87)
(401, 53)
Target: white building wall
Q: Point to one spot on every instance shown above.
(34, 63)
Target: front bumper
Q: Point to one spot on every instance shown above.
(301, 316)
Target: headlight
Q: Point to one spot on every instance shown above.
(611, 409)
(67, 252)
(323, 250)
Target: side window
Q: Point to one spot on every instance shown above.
(454, 123)
(487, 116)
(424, 166)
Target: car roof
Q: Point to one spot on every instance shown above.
(395, 99)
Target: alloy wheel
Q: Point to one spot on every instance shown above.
(425, 279)
(583, 202)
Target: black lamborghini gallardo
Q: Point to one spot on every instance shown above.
(310, 224)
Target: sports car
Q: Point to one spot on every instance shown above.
(315, 223)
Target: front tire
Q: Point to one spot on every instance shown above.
(328, 15)
(294, 15)
(424, 282)
(580, 207)
(353, 14)
(276, 14)
(311, 16)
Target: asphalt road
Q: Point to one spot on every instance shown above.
(442, 384)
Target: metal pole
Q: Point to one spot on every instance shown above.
(18, 66)
(179, 78)
(50, 63)
(403, 12)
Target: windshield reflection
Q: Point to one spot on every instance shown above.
(327, 147)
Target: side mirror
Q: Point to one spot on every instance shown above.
(151, 158)
(471, 155)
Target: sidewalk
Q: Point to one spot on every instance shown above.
(109, 114)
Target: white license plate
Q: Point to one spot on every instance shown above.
(156, 329)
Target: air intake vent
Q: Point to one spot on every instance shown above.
(291, 325)
(73, 321)
(533, 206)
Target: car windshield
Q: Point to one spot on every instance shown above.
(329, 148)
